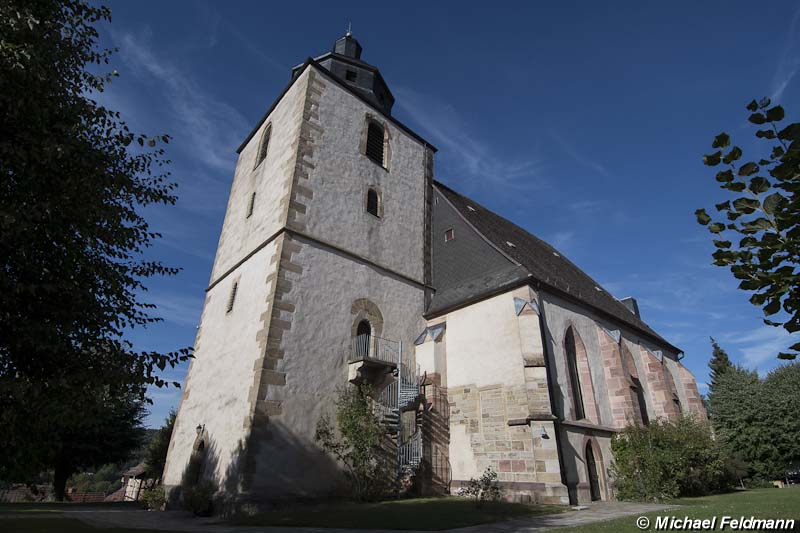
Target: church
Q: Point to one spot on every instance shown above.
(342, 259)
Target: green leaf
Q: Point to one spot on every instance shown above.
(711, 160)
(748, 169)
(777, 151)
(790, 132)
(746, 205)
(722, 244)
(764, 102)
(725, 176)
(732, 156)
(787, 356)
(724, 206)
(765, 134)
(775, 114)
(721, 141)
(702, 217)
(716, 227)
(752, 106)
(759, 185)
(771, 202)
(757, 118)
(772, 307)
(735, 186)
(795, 347)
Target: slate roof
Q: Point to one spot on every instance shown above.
(535, 260)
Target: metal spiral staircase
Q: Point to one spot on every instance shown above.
(401, 395)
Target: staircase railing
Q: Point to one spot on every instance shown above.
(410, 452)
(375, 348)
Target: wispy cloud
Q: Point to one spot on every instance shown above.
(575, 153)
(759, 347)
(586, 206)
(210, 127)
(466, 155)
(178, 309)
(562, 240)
(789, 63)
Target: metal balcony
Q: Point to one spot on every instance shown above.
(376, 349)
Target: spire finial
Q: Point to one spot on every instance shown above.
(349, 29)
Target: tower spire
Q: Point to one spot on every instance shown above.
(349, 29)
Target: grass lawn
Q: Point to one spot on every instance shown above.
(760, 503)
(39, 517)
(429, 514)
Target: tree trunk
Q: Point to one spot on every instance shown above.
(60, 477)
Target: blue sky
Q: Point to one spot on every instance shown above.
(583, 122)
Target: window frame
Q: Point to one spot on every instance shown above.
(371, 124)
(263, 149)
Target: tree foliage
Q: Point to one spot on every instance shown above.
(73, 182)
(156, 454)
(757, 231)
(719, 363)
(357, 442)
(756, 420)
(483, 489)
(667, 459)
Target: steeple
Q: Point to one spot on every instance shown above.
(345, 62)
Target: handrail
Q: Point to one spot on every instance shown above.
(374, 348)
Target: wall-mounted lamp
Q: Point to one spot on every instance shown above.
(199, 429)
(544, 434)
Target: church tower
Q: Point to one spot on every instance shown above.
(324, 241)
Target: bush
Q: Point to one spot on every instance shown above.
(668, 459)
(154, 499)
(357, 442)
(483, 489)
(199, 498)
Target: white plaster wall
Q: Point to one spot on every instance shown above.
(270, 181)
(316, 349)
(342, 176)
(483, 344)
(221, 373)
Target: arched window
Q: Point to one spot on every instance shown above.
(638, 396)
(373, 203)
(375, 141)
(264, 145)
(593, 474)
(574, 378)
(363, 332)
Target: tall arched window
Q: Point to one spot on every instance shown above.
(373, 203)
(592, 473)
(574, 377)
(264, 144)
(375, 141)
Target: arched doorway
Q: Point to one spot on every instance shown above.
(594, 477)
(363, 333)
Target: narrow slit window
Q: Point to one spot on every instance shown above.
(574, 378)
(373, 203)
(264, 145)
(251, 204)
(232, 297)
(375, 142)
(449, 235)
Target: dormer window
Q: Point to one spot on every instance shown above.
(449, 235)
(373, 203)
(375, 142)
(350, 75)
(263, 145)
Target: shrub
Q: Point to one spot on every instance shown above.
(154, 499)
(482, 489)
(199, 498)
(668, 459)
(358, 443)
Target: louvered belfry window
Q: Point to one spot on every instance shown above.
(375, 142)
(263, 146)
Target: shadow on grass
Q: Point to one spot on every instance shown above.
(430, 514)
(65, 507)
